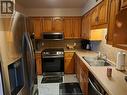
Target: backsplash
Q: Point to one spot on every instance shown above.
(56, 44)
(110, 51)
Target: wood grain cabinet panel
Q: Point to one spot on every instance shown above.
(47, 24)
(58, 24)
(82, 74)
(35, 26)
(103, 12)
(86, 26)
(68, 28)
(99, 14)
(69, 63)
(76, 27)
(38, 63)
(84, 81)
(123, 3)
(112, 16)
(77, 67)
(94, 16)
(84, 78)
(29, 25)
(72, 27)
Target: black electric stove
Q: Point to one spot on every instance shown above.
(53, 61)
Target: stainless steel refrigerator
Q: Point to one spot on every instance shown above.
(17, 52)
(1, 80)
(29, 64)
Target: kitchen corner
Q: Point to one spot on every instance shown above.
(115, 85)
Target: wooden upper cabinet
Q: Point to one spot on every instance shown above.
(103, 12)
(124, 3)
(67, 27)
(58, 24)
(72, 27)
(120, 34)
(113, 12)
(99, 15)
(83, 27)
(29, 25)
(94, 16)
(35, 24)
(86, 26)
(76, 27)
(47, 24)
(53, 24)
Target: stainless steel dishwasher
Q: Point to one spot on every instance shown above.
(94, 88)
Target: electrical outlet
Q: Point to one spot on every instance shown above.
(42, 44)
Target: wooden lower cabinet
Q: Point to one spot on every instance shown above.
(77, 67)
(82, 75)
(38, 63)
(83, 78)
(69, 63)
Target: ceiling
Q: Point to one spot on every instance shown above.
(52, 3)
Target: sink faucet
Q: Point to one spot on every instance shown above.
(102, 56)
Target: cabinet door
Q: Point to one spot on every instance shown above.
(69, 63)
(83, 27)
(58, 24)
(29, 25)
(84, 78)
(76, 27)
(94, 16)
(124, 3)
(39, 64)
(77, 60)
(47, 24)
(37, 27)
(68, 28)
(83, 82)
(103, 12)
(113, 11)
(86, 26)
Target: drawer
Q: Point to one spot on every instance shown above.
(38, 55)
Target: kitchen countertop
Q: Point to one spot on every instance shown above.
(116, 85)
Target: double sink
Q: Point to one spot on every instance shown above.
(94, 61)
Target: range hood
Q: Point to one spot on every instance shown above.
(53, 36)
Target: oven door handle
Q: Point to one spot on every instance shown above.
(53, 56)
(98, 92)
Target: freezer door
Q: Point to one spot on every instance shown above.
(29, 61)
(1, 82)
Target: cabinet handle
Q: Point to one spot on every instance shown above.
(97, 19)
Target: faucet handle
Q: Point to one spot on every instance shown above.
(104, 56)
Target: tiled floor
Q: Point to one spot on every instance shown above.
(53, 88)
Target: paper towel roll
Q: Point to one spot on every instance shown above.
(120, 63)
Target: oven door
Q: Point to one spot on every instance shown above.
(53, 64)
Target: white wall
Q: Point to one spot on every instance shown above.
(89, 5)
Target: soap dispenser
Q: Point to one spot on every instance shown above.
(120, 62)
